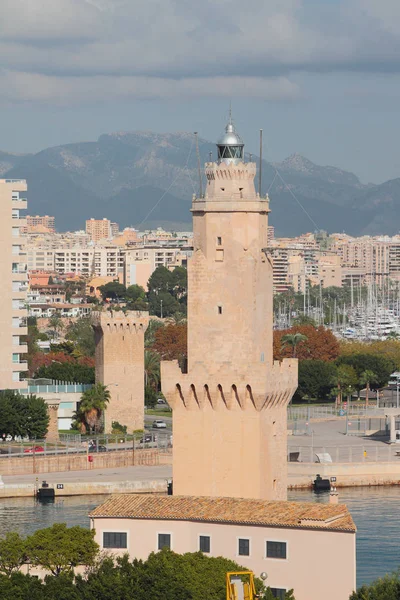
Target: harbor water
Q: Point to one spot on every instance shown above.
(375, 511)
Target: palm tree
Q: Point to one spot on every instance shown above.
(93, 403)
(366, 378)
(56, 324)
(151, 369)
(149, 336)
(346, 380)
(293, 340)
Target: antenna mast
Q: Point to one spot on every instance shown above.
(260, 168)
(198, 164)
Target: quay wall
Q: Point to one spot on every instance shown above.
(152, 486)
(302, 475)
(27, 465)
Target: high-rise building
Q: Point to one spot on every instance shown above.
(13, 275)
(98, 229)
(230, 404)
(45, 222)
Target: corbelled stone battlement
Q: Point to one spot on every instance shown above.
(255, 389)
(231, 171)
(114, 321)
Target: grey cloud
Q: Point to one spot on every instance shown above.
(28, 87)
(175, 41)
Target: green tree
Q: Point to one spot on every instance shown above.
(179, 284)
(12, 553)
(59, 549)
(56, 324)
(163, 304)
(380, 365)
(151, 369)
(149, 336)
(92, 405)
(385, 588)
(346, 381)
(150, 397)
(82, 335)
(23, 415)
(366, 379)
(113, 290)
(293, 340)
(68, 371)
(35, 416)
(22, 587)
(268, 595)
(317, 379)
(304, 320)
(134, 292)
(160, 281)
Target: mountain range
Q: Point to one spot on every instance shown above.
(146, 179)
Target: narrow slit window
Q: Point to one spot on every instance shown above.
(220, 310)
(219, 241)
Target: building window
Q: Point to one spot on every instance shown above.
(220, 310)
(204, 543)
(278, 593)
(115, 540)
(15, 358)
(164, 540)
(276, 549)
(219, 241)
(243, 547)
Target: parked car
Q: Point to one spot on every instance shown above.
(34, 450)
(161, 401)
(159, 424)
(146, 439)
(94, 448)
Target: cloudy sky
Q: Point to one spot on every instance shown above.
(321, 77)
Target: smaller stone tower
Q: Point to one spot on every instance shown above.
(119, 359)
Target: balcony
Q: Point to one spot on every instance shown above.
(21, 366)
(21, 349)
(21, 204)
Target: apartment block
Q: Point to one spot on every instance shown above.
(140, 262)
(35, 223)
(99, 229)
(13, 274)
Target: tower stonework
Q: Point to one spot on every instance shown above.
(229, 408)
(119, 362)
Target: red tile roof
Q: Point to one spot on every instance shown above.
(228, 510)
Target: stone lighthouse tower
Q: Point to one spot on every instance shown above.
(229, 408)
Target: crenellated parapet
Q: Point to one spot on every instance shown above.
(257, 389)
(117, 321)
(221, 171)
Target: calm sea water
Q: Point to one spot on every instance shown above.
(375, 511)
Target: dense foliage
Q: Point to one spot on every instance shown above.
(316, 380)
(163, 576)
(170, 342)
(319, 343)
(23, 415)
(71, 371)
(167, 291)
(386, 588)
(88, 415)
